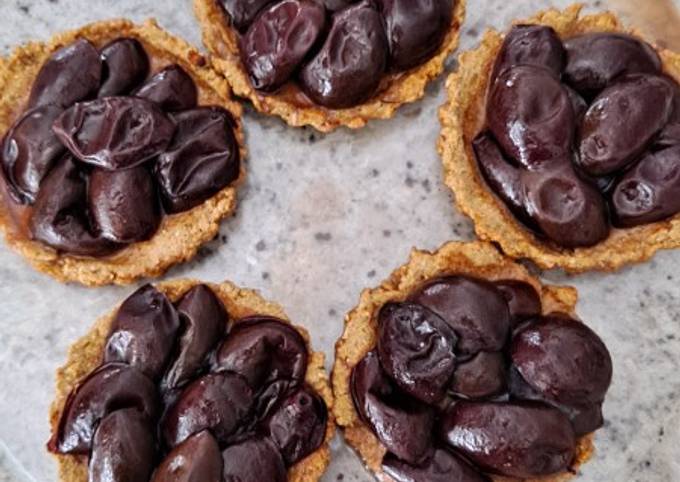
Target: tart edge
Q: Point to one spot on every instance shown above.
(460, 120)
(407, 87)
(86, 354)
(479, 259)
(180, 235)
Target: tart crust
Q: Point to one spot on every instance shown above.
(86, 354)
(479, 259)
(463, 116)
(222, 42)
(180, 235)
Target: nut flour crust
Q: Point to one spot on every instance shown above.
(86, 354)
(221, 40)
(180, 235)
(479, 259)
(463, 116)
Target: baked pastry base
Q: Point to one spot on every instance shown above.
(463, 116)
(222, 41)
(477, 259)
(180, 235)
(86, 354)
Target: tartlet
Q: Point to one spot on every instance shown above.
(291, 104)
(462, 119)
(244, 308)
(363, 334)
(178, 236)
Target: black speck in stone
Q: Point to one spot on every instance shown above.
(25, 8)
(387, 233)
(332, 312)
(340, 477)
(409, 165)
(426, 185)
(371, 273)
(265, 275)
(409, 181)
(261, 245)
(323, 236)
(375, 173)
(224, 238)
(473, 32)
(312, 138)
(279, 166)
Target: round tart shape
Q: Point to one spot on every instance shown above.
(192, 381)
(121, 154)
(463, 366)
(591, 181)
(330, 63)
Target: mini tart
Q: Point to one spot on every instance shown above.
(179, 236)
(221, 40)
(478, 259)
(85, 355)
(462, 118)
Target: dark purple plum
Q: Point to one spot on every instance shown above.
(279, 39)
(202, 159)
(441, 466)
(172, 89)
(255, 460)
(483, 376)
(416, 349)
(197, 459)
(115, 132)
(522, 298)
(144, 332)
(126, 65)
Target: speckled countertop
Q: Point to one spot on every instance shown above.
(321, 217)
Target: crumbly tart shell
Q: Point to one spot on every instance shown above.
(86, 354)
(463, 116)
(222, 41)
(180, 235)
(478, 259)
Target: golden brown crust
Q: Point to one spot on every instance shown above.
(478, 259)
(463, 116)
(86, 354)
(221, 40)
(179, 235)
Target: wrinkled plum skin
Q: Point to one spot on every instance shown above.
(347, 69)
(204, 321)
(534, 45)
(89, 130)
(124, 204)
(517, 410)
(441, 466)
(143, 332)
(298, 425)
(172, 89)
(650, 191)
(516, 440)
(475, 310)
(123, 448)
(30, 149)
(126, 65)
(416, 349)
(278, 41)
(415, 30)
(111, 387)
(575, 146)
(595, 60)
(254, 460)
(72, 74)
(59, 216)
(202, 159)
(621, 121)
(403, 425)
(218, 402)
(269, 355)
(196, 459)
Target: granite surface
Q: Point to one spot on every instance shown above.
(321, 217)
